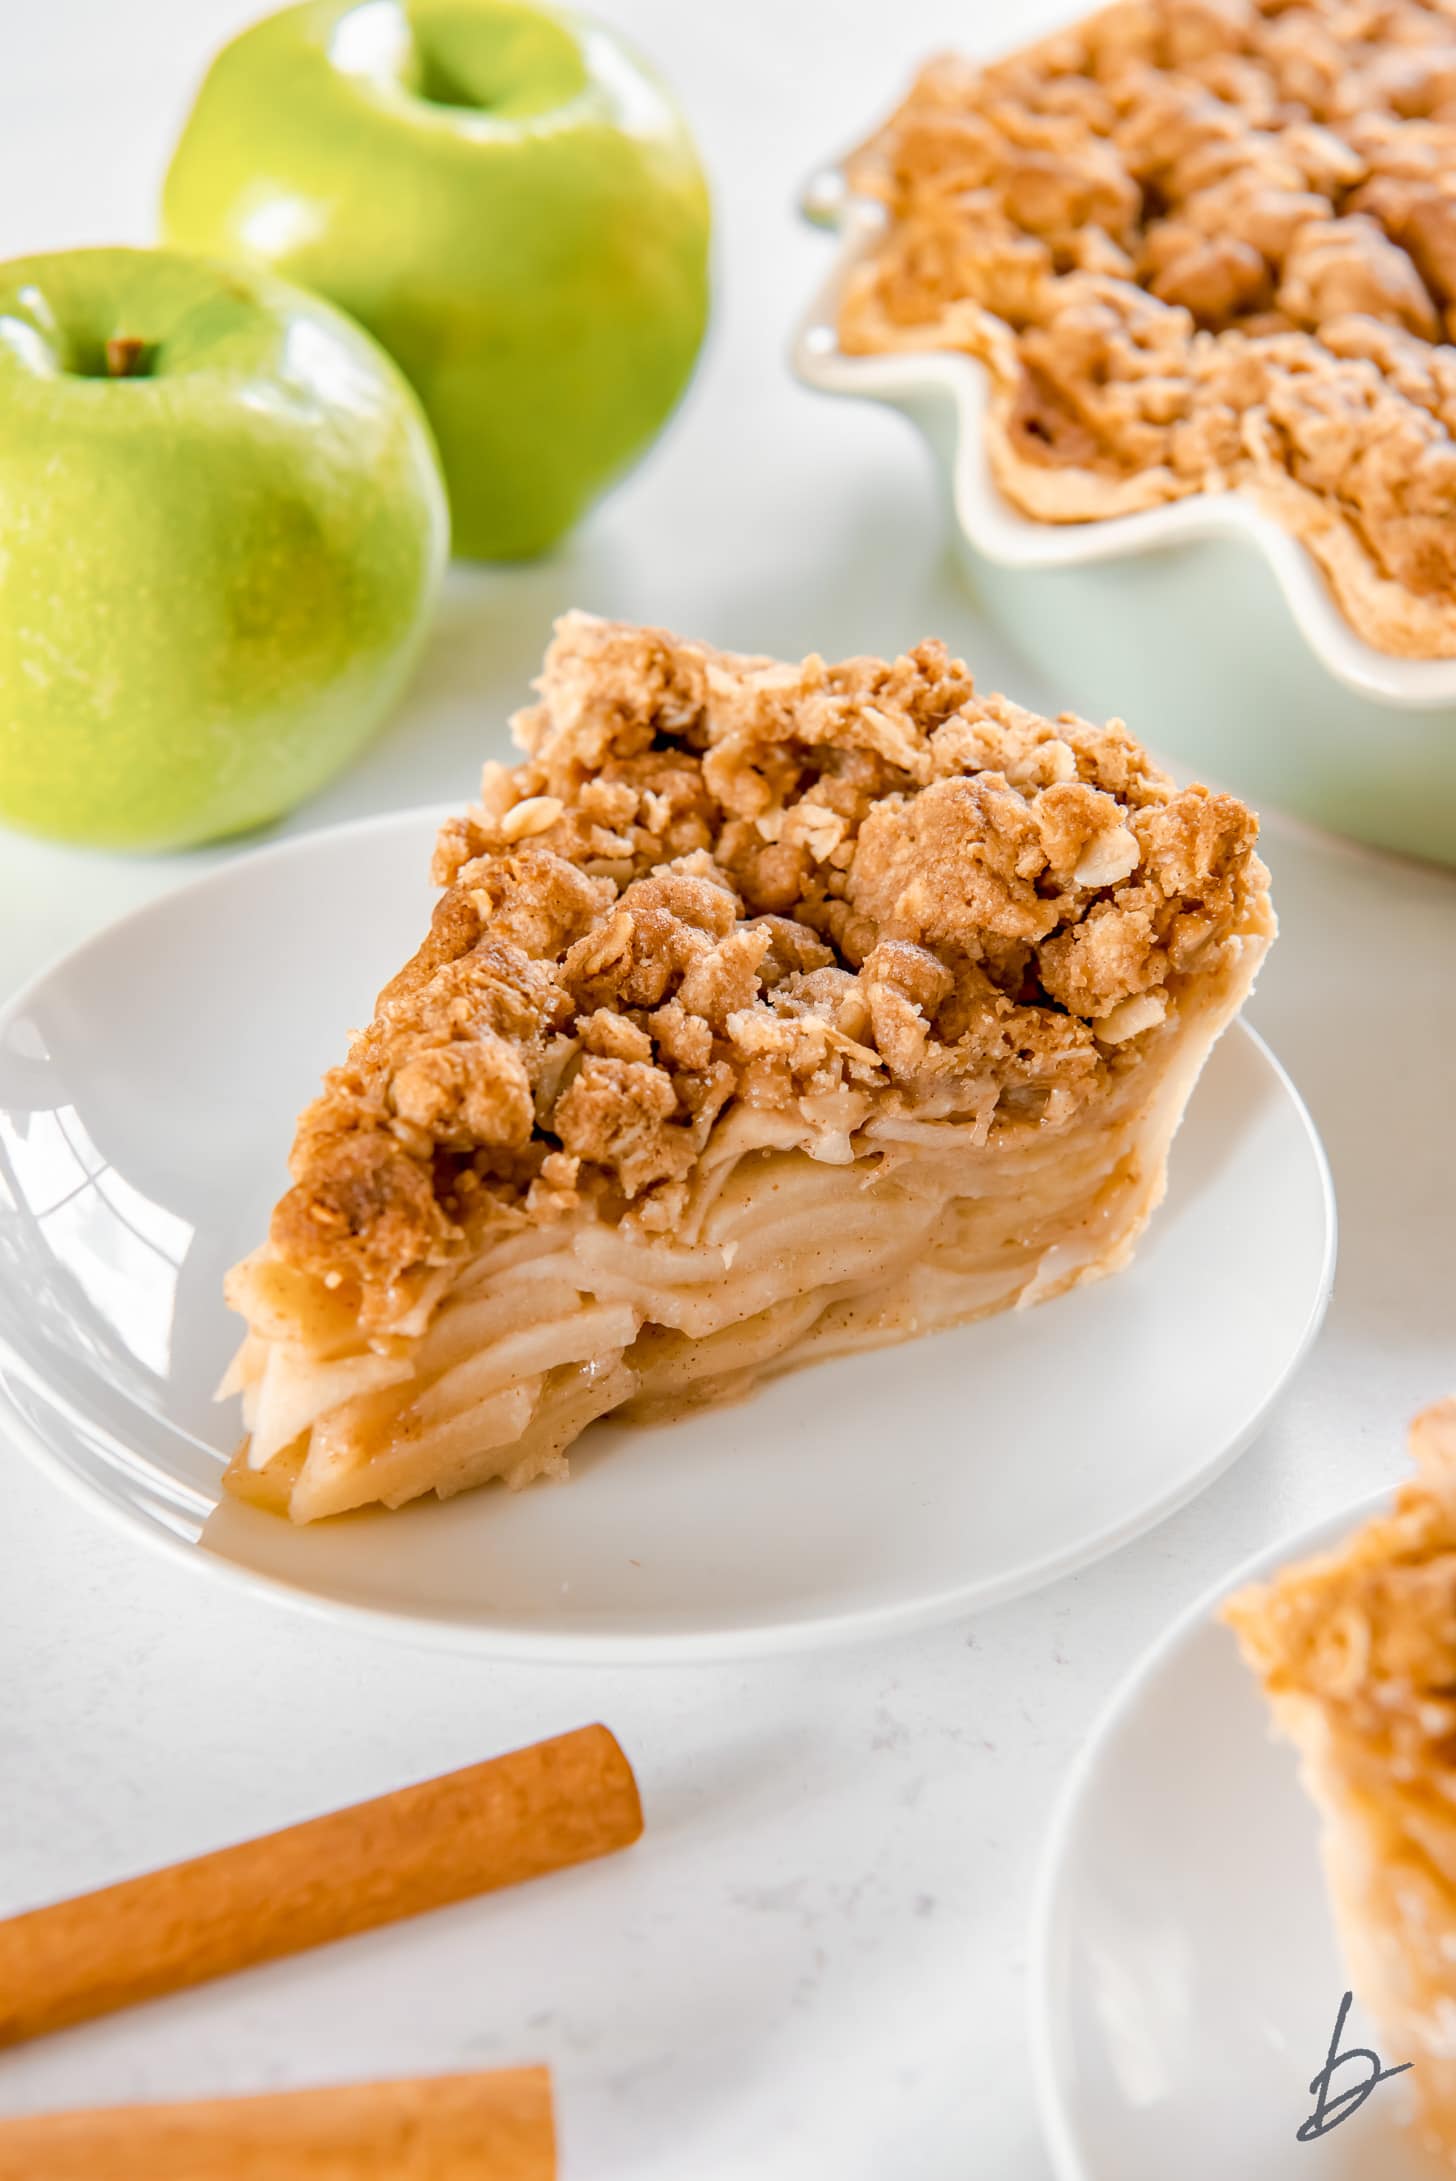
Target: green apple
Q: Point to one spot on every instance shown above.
(505, 197)
(221, 530)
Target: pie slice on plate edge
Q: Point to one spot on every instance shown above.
(1356, 1650)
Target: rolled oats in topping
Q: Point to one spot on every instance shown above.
(849, 891)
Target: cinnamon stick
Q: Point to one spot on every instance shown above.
(539, 1809)
(491, 2127)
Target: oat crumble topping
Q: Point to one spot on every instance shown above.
(1202, 245)
(1369, 1632)
(846, 891)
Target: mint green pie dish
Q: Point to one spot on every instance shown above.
(1204, 625)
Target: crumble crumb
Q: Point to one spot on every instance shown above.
(1202, 246)
(1368, 1631)
(849, 890)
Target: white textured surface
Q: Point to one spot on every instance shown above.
(813, 1965)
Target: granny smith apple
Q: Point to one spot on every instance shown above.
(504, 195)
(221, 529)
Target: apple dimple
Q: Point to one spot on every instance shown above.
(79, 340)
(504, 195)
(80, 353)
(502, 60)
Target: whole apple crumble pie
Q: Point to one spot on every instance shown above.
(767, 1012)
(1201, 246)
(1357, 1653)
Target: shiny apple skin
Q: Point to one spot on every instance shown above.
(539, 270)
(214, 576)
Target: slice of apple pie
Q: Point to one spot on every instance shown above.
(768, 1012)
(1357, 1653)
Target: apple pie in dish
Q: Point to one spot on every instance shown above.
(768, 1012)
(1357, 1653)
(1201, 246)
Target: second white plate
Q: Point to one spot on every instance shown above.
(149, 1086)
(1186, 1982)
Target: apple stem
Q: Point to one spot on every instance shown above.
(126, 356)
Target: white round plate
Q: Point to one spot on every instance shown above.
(1185, 1978)
(149, 1086)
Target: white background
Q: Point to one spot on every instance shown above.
(814, 1963)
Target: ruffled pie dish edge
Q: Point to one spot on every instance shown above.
(959, 386)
